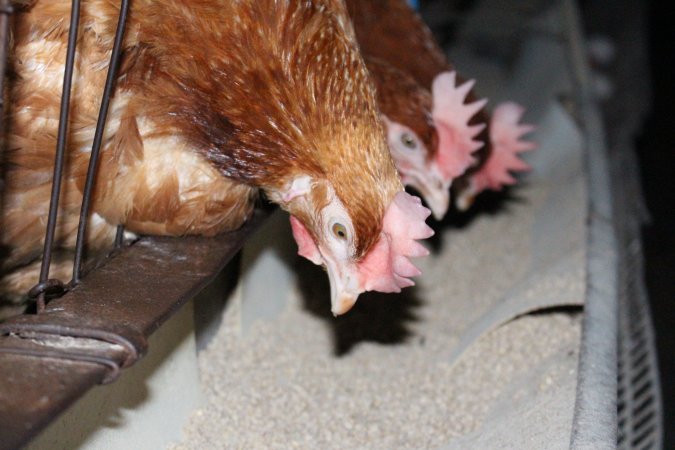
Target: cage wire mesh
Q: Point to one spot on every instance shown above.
(639, 402)
(639, 399)
(54, 287)
(640, 420)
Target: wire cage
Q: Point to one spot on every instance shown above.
(108, 314)
(49, 286)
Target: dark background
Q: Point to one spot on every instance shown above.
(656, 153)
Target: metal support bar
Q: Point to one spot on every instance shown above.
(5, 11)
(101, 325)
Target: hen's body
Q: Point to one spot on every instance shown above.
(403, 100)
(214, 101)
(149, 178)
(392, 31)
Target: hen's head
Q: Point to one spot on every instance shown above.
(348, 209)
(329, 234)
(507, 143)
(406, 109)
(349, 212)
(300, 121)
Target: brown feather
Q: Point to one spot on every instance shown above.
(303, 105)
(394, 32)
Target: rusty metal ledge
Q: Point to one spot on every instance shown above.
(48, 361)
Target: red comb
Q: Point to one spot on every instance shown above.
(505, 136)
(451, 118)
(386, 268)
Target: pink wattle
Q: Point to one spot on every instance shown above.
(376, 268)
(306, 245)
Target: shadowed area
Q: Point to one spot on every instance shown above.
(376, 317)
(489, 202)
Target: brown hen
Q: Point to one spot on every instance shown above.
(392, 31)
(215, 101)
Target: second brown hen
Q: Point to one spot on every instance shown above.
(392, 31)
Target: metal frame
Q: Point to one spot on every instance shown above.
(49, 360)
(594, 424)
(618, 400)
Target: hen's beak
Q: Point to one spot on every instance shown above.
(344, 286)
(434, 190)
(465, 199)
(438, 201)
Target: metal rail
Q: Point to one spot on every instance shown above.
(594, 425)
(48, 361)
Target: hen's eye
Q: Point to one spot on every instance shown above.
(408, 141)
(339, 231)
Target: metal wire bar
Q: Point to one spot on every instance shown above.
(98, 137)
(119, 236)
(5, 10)
(60, 152)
